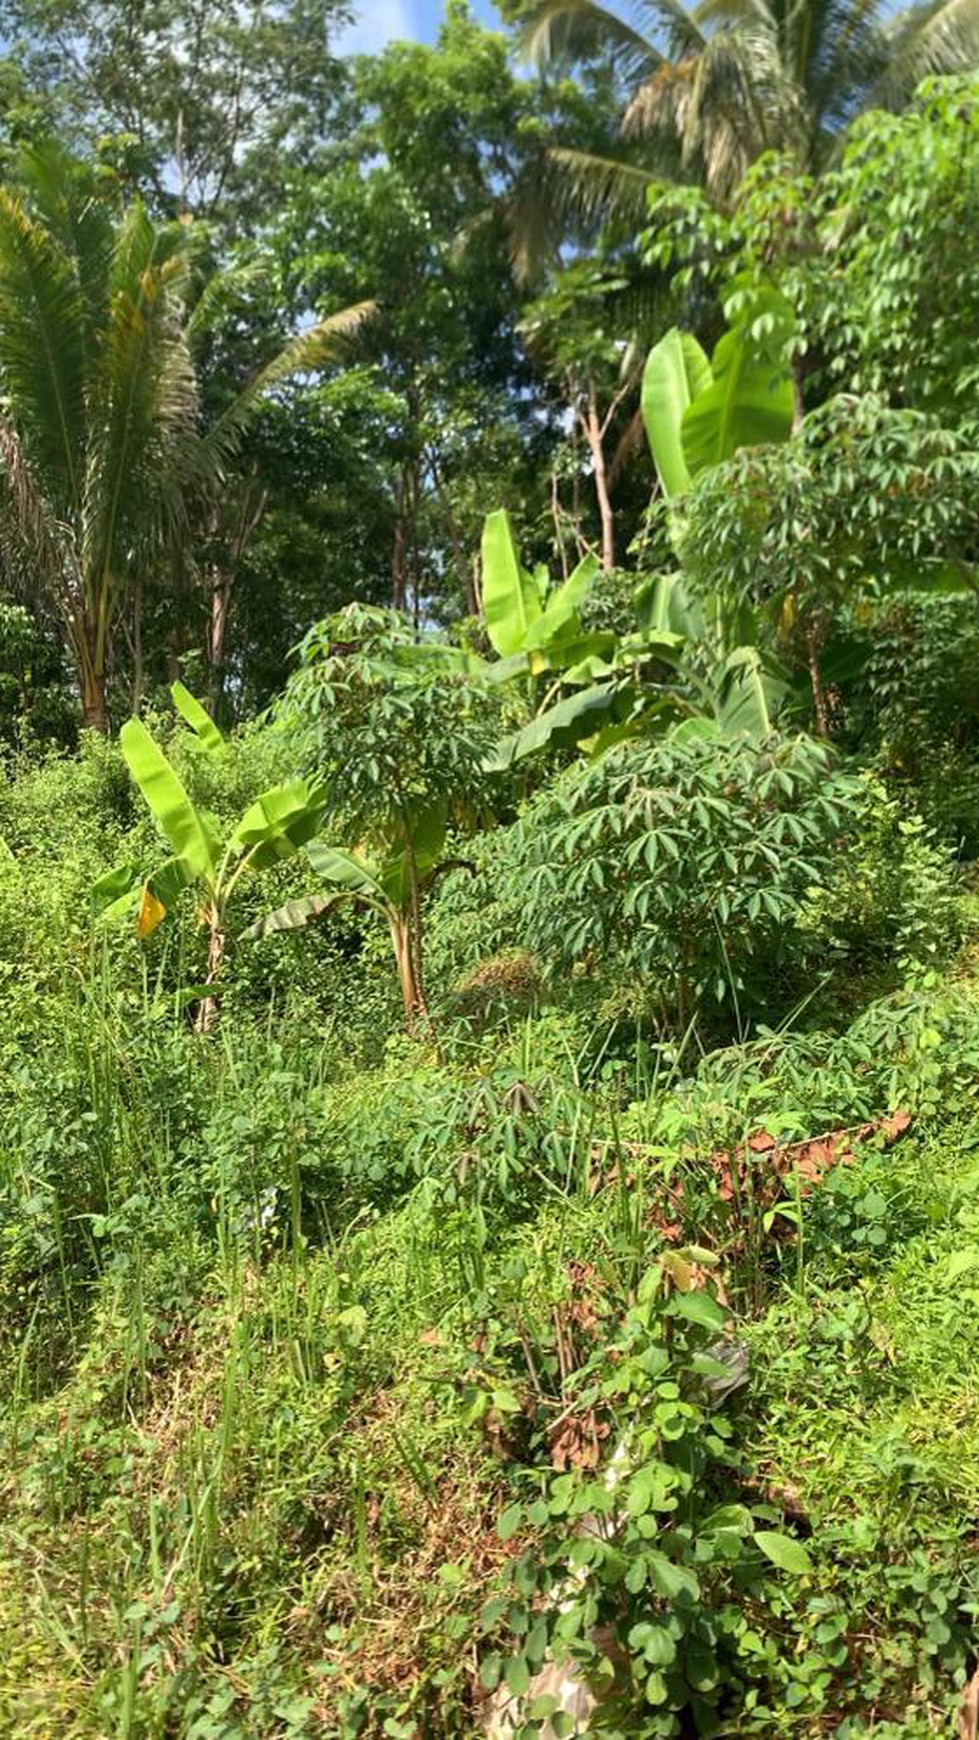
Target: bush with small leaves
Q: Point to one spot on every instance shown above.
(685, 861)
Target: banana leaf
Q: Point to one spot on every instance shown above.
(187, 830)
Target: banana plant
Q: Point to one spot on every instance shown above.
(529, 621)
(698, 412)
(537, 628)
(274, 827)
(393, 885)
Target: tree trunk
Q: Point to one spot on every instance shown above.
(221, 584)
(816, 680)
(469, 592)
(138, 647)
(556, 517)
(411, 995)
(91, 674)
(593, 435)
(399, 580)
(207, 1012)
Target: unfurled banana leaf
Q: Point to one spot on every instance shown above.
(749, 400)
(676, 372)
(560, 620)
(664, 603)
(186, 829)
(200, 721)
(511, 596)
(348, 871)
(419, 855)
(292, 916)
(564, 724)
(748, 694)
(115, 892)
(566, 653)
(279, 822)
(128, 889)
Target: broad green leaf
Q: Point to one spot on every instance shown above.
(658, 643)
(560, 616)
(663, 603)
(189, 833)
(511, 1520)
(149, 897)
(670, 1580)
(749, 401)
(747, 694)
(292, 916)
(785, 1552)
(517, 1675)
(427, 830)
(116, 891)
(676, 372)
(200, 722)
(569, 652)
(511, 597)
(728, 1516)
(560, 726)
(279, 822)
(354, 875)
(699, 1308)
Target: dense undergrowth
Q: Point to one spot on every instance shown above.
(318, 1340)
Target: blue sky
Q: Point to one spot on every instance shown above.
(380, 21)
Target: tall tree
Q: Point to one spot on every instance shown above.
(417, 210)
(722, 82)
(208, 101)
(105, 464)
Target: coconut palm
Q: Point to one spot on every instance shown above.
(711, 88)
(104, 462)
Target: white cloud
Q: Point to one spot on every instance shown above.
(377, 22)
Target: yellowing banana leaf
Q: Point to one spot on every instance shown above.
(152, 912)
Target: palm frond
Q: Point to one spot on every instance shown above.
(680, 30)
(220, 294)
(604, 187)
(564, 32)
(144, 452)
(307, 351)
(40, 548)
(927, 40)
(42, 349)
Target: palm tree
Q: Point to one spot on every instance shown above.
(104, 463)
(711, 88)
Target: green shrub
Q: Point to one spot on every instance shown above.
(890, 891)
(685, 861)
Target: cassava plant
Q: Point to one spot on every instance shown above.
(274, 827)
(401, 743)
